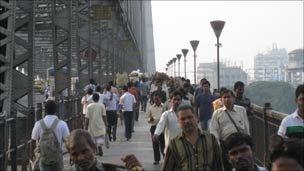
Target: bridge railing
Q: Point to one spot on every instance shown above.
(264, 123)
(14, 143)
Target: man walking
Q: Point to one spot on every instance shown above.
(50, 132)
(127, 101)
(154, 113)
(192, 149)
(111, 101)
(96, 122)
(168, 121)
(204, 107)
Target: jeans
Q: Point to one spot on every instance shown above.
(57, 166)
(128, 117)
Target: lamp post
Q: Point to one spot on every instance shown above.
(217, 27)
(166, 70)
(185, 51)
(174, 60)
(194, 44)
(178, 56)
(170, 67)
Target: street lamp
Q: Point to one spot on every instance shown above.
(194, 44)
(185, 51)
(170, 67)
(217, 27)
(166, 70)
(174, 60)
(178, 59)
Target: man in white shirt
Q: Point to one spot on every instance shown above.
(154, 113)
(168, 122)
(99, 91)
(228, 119)
(127, 101)
(292, 126)
(96, 122)
(85, 101)
(61, 131)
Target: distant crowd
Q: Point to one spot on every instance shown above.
(191, 128)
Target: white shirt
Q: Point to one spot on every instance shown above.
(169, 125)
(221, 126)
(85, 101)
(110, 104)
(127, 100)
(96, 124)
(291, 124)
(61, 130)
(101, 98)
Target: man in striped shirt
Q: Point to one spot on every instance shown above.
(192, 149)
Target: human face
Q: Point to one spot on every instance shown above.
(283, 164)
(241, 157)
(83, 156)
(187, 120)
(300, 101)
(157, 100)
(176, 101)
(228, 100)
(239, 91)
(206, 88)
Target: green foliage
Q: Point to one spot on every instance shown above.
(281, 95)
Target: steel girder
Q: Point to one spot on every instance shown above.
(17, 28)
(61, 33)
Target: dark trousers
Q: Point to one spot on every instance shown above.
(112, 124)
(158, 147)
(128, 117)
(143, 101)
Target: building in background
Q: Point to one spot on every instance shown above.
(271, 65)
(228, 74)
(295, 68)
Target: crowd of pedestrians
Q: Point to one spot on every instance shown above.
(191, 128)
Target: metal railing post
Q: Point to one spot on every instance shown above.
(267, 106)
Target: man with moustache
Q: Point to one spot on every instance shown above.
(240, 152)
(192, 149)
(82, 149)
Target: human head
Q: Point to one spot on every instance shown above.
(95, 97)
(206, 86)
(89, 91)
(92, 81)
(125, 88)
(239, 89)
(111, 83)
(176, 99)
(240, 151)
(157, 99)
(202, 81)
(287, 153)
(81, 147)
(108, 87)
(227, 97)
(300, 97)
(50, 107)
(98, 89)
(186, 118)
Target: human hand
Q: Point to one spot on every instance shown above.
(155, 138)
(132, 163)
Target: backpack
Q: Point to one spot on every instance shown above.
(50, 150)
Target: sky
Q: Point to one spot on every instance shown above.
(251, 27)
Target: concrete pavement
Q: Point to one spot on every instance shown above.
(140, 145)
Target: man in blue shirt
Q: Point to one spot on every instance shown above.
(204, 107)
